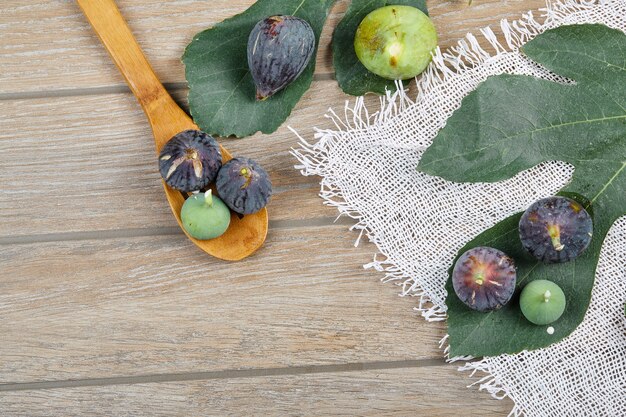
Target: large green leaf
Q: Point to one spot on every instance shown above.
(352, 76)
(221, 90)
(512, 123)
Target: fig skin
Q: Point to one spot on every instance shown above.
(395, 42)
(279, 50)
(204, 216)
(244, 185)
(542, 302)
(190, 161)
(484, 278)
(555, 229)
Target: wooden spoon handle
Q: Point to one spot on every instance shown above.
(117, 38)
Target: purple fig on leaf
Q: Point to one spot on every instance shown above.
(279, 50)
(555, 229)
(484, 278)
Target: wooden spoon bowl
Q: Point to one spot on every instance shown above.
(245, 234)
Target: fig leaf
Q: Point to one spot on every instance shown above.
(221, 91)
(352, 76)
(511, 123)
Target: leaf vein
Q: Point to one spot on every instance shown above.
(577, 122)
(620, 169)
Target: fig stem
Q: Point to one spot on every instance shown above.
(208, 198)
(546, 296)
(245, 171)
(555, 237)
(395, 49)
(556, 242)
(480, 278)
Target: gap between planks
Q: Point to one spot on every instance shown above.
(226, 374)
(158, 231)
(110, 89)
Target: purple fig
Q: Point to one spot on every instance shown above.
(190, 161)
(279, 49)
(555, 229)
(484, 278)
(244, 186)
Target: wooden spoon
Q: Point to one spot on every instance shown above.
(244, 235)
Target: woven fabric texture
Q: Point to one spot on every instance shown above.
(367, 164)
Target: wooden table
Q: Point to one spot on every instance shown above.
(108, 310)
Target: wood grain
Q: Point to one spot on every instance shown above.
(49, 45)
(425, 391)
(96, 153)
(152, 305)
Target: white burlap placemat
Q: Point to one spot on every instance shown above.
(418, 223)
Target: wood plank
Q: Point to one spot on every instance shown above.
(48, 45)
(97, 155)
(425, 391)
(152, 305)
